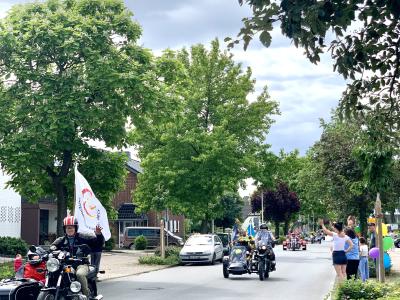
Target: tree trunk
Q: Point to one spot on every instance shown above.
(61, 204)
(276, 229)
(286, 227)
(362, 211)
(60, 188)
(204, 228)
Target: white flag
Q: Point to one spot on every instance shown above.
(88, 210)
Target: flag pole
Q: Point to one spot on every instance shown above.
(74, 200)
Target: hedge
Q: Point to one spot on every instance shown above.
(13, 246)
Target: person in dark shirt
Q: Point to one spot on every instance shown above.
(372, 231)
(71, 239)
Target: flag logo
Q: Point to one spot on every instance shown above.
(88, 207)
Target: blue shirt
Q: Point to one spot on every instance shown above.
(354, 253)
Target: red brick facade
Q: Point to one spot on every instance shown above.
(125, 196)
(176, 223)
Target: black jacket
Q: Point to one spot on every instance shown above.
(94, 242)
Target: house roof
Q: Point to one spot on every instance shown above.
(134, 166)
(127, 212)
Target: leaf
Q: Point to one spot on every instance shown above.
(265, 38)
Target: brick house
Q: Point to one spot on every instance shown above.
(39, 220)
(124, 205)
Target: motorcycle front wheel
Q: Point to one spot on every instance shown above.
(46, 295)
(261, 270)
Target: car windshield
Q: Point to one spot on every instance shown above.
(224, 238)
(199, 240)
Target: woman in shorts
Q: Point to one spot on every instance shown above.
(339, 253)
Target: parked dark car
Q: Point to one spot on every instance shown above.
(152, 234)
(226, 239)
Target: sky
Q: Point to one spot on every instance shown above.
(305, 92)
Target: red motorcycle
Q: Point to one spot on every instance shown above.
(294, 242)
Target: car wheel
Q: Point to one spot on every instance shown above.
(225, 271)
(213, 259)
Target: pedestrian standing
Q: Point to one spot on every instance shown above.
(339, 253)
(363, 265)
(18, 266)
(95, 256)
(372, 231)
(353, 256)
(351, 221)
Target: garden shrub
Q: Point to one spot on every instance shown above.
(12, 246)
(169, 251)
(140, 242)
(6, 270)
(356, 289)
(157, 260)
(110, 244)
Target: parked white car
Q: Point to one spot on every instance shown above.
(202, 248)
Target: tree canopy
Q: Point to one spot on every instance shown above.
(230, 209)
(362, 37)
(205, 138)
(338, 179)
(71, 72)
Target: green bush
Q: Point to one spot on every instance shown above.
(12, 246)
(280, 240)
(169, 251)
(6, 270)
(140, 242)
(157, 260)
(356, 289)
(110, 244)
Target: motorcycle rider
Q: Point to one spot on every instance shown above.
(266, 236)
(73, 238)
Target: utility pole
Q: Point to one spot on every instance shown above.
(262, 206)
(379, 217)
(162, 246)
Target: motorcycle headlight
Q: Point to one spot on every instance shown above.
(75, 286)
(264, 247)
(52, 265)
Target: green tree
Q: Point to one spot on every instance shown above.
(365, 46)
(288, 167)
(343, 185)
(312, 189)
(204, 142)
(71, 72)
(230, 209)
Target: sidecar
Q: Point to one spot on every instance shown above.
(19, 289)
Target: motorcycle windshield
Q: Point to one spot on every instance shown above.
(238, 254)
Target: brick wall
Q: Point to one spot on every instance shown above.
(125, 196)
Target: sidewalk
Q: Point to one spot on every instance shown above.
(121, 263)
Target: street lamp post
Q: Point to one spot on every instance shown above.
(379, 217)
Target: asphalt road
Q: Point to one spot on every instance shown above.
(300, 275)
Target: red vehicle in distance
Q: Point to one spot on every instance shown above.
(294, 242)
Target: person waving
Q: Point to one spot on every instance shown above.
(339, 253)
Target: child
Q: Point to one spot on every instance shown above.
(363, 266)
(18, 267)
